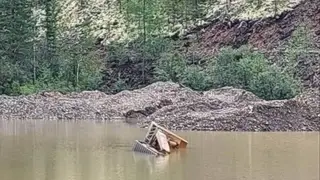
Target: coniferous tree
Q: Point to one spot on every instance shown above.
(51, 36)
(16, 22)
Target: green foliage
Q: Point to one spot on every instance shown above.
(277, 4)
(120, 85)
(135, 51)
(16, 37)
(130, 59)
(173, 67)
(15, 88)
(196, 78)
(296, 48)
(273, 84)
(154, 47)
(170, 67)
(51, 35)
(28, 89)
(32, 61)
(235, 67)
(248, 67)
(55, 46)
(242, 68)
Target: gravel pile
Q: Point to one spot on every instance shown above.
(173, 106)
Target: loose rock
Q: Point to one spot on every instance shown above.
(173, 106)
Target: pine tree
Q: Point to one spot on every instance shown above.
(51, 36)
(16, 35)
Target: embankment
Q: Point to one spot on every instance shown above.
(176, 107)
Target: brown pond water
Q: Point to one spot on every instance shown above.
(50, 150)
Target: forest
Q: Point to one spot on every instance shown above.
(115, 45)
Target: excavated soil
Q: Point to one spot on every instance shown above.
(177, 108)
(268, 35)
(264, 33)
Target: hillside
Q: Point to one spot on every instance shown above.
(118, 20)
(268, 35)
(294, 32)
(263, 33)
(235, 65)
(118, 45)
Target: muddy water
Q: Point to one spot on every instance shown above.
(39, 150)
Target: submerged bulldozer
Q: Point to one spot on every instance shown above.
(159, 141)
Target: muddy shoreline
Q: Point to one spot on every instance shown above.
(175, 107)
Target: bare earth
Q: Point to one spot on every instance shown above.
(177, 108)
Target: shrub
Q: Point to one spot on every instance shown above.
(196, 78)
(28, 89)
(170, 67)
(272, 84)
(236, 67)
(248, 67)
(173, 67)
(239, 68)
(243, 68)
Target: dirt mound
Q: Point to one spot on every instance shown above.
(264, 33)
(173, 106)
(267, 35)
(236, 114)
(229, 109)
(93, 104)
(231, 95)
(49, 107)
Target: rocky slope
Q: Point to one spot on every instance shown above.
(178, 108)
(268, 35)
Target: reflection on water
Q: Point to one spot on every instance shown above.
(38, 150)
